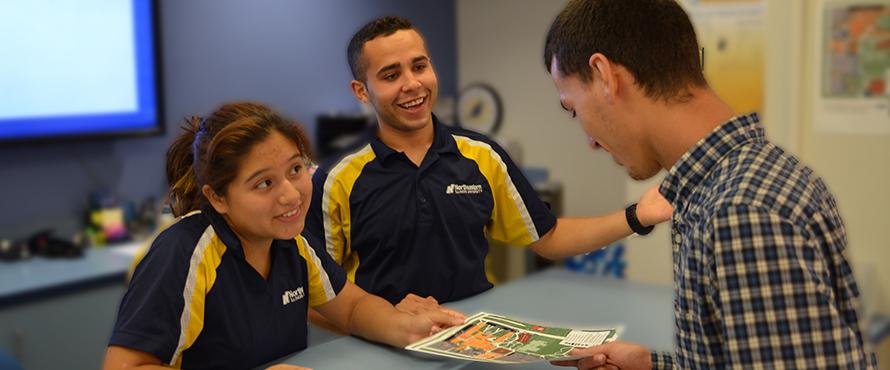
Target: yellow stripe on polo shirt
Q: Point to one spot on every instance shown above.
(200, 279)
(510, 221)
(335, 208)
(145, 246)
(320, 289)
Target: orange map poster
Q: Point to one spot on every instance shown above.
(492, 338)
(852, 39)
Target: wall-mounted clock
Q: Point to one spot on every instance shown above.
(479, 109)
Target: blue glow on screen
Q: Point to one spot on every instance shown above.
(77, 68)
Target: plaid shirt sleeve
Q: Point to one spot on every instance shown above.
(774, 297)
(662, 360)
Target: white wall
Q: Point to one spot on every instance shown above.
(500, 42)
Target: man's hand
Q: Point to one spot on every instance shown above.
(286, 367)
(612, 356)
(653, 209)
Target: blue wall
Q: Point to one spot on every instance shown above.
(289, 54)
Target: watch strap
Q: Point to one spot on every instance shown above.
(630, 213)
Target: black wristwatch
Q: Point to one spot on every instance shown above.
(630, 213)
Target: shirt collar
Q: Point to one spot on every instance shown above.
(226, 235)
(443, 142)
(222, 230)
(694, 166)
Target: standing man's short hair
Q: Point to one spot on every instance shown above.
(383, 26)
(653, 39)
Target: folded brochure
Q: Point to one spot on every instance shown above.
(493, 338)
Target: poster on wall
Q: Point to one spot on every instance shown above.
(731, 32)
(853, 66)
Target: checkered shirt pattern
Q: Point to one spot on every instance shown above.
(761, 277)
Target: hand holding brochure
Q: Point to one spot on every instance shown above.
(492, 338)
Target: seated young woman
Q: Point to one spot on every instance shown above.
(229, 284)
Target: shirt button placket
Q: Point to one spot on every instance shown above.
(420, 198)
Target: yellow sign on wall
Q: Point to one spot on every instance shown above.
(731, 32)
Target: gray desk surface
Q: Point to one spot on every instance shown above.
(554, 296)
(40, 276)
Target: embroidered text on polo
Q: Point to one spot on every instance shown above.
(463, 189)
(292, 296)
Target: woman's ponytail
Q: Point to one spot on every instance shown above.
(184, 194)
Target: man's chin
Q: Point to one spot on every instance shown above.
(638, 175)
(414, 124)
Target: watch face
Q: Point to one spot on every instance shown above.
(479, 109)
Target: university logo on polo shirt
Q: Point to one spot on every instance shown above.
(292, 296)
(464, 189)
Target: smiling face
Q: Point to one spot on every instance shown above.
(597, 107)
(269, 197)
(399, 80)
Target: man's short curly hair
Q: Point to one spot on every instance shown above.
(383, 26)
(653, 39)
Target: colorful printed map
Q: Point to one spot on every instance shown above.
(492, 338)
(857, 51)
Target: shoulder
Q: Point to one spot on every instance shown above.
(173, 247)
(479, 147)
(184, 234)
(765, 178)
(346, 166)
(358, 147)
(472, 137)
(310, 239)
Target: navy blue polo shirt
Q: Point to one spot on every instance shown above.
(194, 301)
(398, 228)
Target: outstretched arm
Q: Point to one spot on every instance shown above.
(375, 319)
(117, 357)
(578, 235)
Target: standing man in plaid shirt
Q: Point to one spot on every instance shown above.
(761, 276)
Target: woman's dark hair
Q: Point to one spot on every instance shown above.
(210, 150)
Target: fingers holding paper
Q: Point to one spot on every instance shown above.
(614, 355)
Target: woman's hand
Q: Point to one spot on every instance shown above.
(413, 304)
(429, 322)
